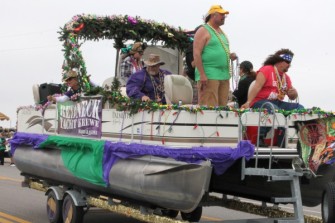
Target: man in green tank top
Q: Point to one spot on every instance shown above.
(212, 59)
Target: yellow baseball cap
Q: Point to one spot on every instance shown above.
(217, 8)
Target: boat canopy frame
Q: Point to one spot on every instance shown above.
(120, 28)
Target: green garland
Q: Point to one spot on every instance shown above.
(116, 27)
(116, 100)
(121, 29)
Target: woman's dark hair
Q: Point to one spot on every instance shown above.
(247, 68)
(276, 58)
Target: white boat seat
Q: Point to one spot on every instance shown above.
(108, 82)
(177, 88)
(36, 94)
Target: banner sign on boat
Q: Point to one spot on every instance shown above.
(317, 141)
(82, 118)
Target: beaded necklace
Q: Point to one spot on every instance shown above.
(226, 49)
(158, 87)
(281, 84)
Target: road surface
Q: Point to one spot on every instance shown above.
(23, 205)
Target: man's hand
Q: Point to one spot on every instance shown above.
(51, 98)
(233, 56)
(145, 98)
(246, 105)
(203, 82)
(292, 93)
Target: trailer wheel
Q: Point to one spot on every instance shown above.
(71, 212)
(193, 216)
(54, 208)
(170, 213)
(328, 203)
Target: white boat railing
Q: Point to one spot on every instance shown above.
(269, 119)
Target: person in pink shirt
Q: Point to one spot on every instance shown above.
(272, 84)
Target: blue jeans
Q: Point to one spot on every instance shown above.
(277, 104)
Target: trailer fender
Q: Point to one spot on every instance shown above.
(58, 192)
(78, 198)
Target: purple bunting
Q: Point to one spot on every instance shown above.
(221, 157)
(29, 139)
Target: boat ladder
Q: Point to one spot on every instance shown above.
(283, 175)
(291, 175)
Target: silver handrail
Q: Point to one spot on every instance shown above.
(261, 120)
(259, 128)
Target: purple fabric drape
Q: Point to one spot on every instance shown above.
(26, 139)
(221, 157)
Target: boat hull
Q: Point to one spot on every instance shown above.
(149, 180)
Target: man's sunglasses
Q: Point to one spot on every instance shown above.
(69, 79)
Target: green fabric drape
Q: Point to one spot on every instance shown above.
(82, 157)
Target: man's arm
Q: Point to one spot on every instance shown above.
(135, 84)
(200, 40)
(259, 82)
(61, 98)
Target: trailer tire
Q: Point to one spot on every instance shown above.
(54, 208)
(328, 203)
(71, 212)
(170, 213)
(193, 216)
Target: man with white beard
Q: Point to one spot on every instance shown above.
(148, 83)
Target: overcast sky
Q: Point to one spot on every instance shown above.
(30, 52)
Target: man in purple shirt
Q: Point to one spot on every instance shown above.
(71, 80)
(148, 83)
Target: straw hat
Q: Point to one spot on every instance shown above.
(153, 60)
(70, 74)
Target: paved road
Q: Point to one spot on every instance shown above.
(23, 205)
